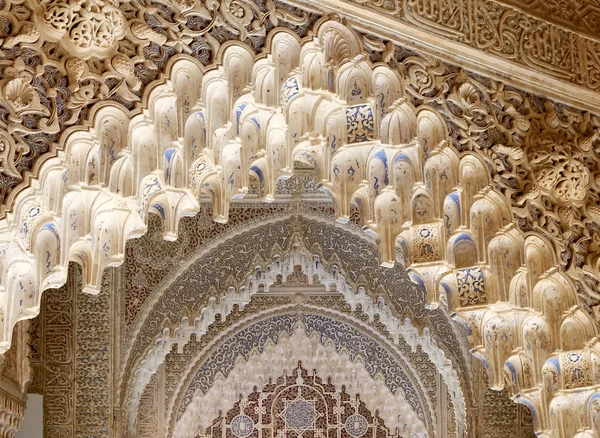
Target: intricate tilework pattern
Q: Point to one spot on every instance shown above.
(427, 244)
(299, 414)
(356, 425)
(242, 426)
(359, 123)
(300, 404)
(471, 286)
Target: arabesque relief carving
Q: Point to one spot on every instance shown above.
(486, 194)
(61, 58)
(580, 16)
(404, 403)
(200, 284)
(496, 423)
(196, 296)
(299, 403)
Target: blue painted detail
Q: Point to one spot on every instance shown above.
(593, 398)
(554, 361)
(161, 210)
(47, 263)
(113, 157)
(531, 408)
(359, 123)
(336, 171)
(461, 237)
(289, 89)
(50, 226)
(238, 113)
(401, 157)
(454, 197)
(513, 372)
(417, 279)
(383, 157)
(471, 286)
(169, 154)
(424, 232)
(404, 247)
(260, 175)
(34, 211)
(462, 322)
(330, 81)
(482, 358)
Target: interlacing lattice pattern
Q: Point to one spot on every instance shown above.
(380, 138)
(300, 404)
(393, 385)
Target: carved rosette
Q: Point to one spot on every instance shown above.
(83, 28)
(562, 169)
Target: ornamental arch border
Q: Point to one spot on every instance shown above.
(146, 365)
(279, 235)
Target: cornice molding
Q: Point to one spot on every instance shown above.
(549, 81)
(580, 16)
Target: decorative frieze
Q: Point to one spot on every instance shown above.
(59, 345)
(93, 362)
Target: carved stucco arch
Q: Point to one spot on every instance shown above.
(259, 277)
(503, 284)
(192, 294)
(187, 393)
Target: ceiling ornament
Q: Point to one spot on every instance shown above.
(301, 404)
(373, 132)
(280, 272)
(316, 352)
(62, 57)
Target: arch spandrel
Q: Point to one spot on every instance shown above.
(491, 143)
